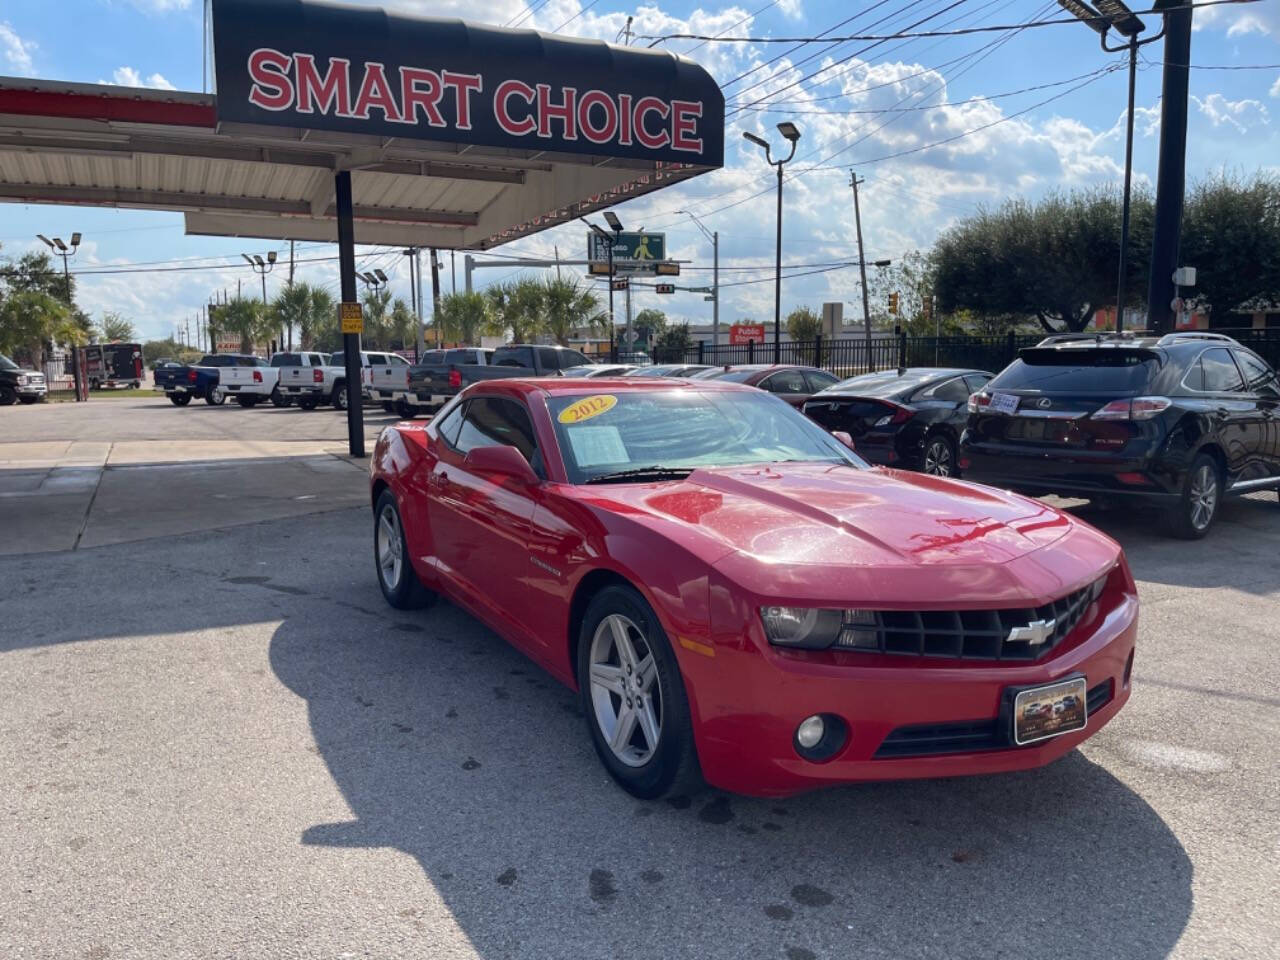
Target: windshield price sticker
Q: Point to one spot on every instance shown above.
(1004, 403)
(587, 407)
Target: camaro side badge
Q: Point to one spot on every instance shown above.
(545, 566)
(1035, 633)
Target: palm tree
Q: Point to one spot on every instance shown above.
(402, 325)
(462, 316)
(377, 314)
(320, 317)
(519, 307)
(572, 308)
(290, 307)
(246, 318)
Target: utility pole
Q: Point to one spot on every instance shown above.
(417, 269)
(862, 263)
(1172, 172)
(291, 287)
(453, 271)
(435, 293)
(630, 334)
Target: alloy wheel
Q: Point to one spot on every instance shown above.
(937, 459)
(390, 547)
(1204, 496)
(625, 690)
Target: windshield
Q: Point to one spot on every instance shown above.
(7, 364)
(883, 384)
(741, 374)
(1085, 371)
(680, 430)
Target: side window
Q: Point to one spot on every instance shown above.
(246, 361)
(397, 360)
(548, 358)
(338, 360)
(377, 359)
(447, 429)
(820, 380)
(953, 390)
(976, 381)
(518, 357)
(1260, 378)
(1220, 372)
(491, 421)
(572, 358)
(788, 381)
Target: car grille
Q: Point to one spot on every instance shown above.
(935, 739)
(967, 634)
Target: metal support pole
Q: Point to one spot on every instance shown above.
(630, 333)
(1171, 176)
(468, 265)
(435, 293)
(715, 288)
(422, 329)
(777, 281)
(350, 341)
(862, 266)
(1128, 176)
(613, 351)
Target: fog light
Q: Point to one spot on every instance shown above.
(810, 732)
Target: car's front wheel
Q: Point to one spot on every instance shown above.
(939, 457)
(278, 399)
(340, 397)
(8, 395)
(307, 403)
(396, 576)
(179, 399)
(214, 397)
(1198, 503)
(634, 698)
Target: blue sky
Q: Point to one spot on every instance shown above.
(1004, 146)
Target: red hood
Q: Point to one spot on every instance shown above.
(772, 525)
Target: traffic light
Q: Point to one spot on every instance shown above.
(665, 288)
(893, 303)
(927, 307)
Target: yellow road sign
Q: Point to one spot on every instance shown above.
(351, 317)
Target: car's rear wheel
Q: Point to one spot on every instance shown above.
(307, 403)
(1198, 503)
(388, 406)
(634, 698)
(247, 402)
(405, 410)
(340, 397)
(278, 399)
(396, 576)
(939, 457)
(179, 399)
(214, 397)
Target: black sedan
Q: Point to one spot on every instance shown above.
(910, 419)
(1178, 421)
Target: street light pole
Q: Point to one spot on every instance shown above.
(792, 133)
(60, 249)
(262, 268)
(714, 237)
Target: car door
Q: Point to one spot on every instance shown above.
(480, 522)
(1237, 419)
(789, 385)
(1261, 382)
(949, 400)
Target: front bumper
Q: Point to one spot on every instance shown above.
(32, 389)
(748, 748)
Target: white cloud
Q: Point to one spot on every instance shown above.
(1275, 88)
(17, 52)
(160, 6)
(1263, 18)
(1241, 114)
(129, 77)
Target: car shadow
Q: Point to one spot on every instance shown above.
(450, 746)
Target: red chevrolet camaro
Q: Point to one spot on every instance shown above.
(738, 597)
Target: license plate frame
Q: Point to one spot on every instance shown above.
(1032, 716)
(1006, 403)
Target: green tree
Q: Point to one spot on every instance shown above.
(572, 308)
(1053, 260)
(518, 307)
(803, 324)
(377, 317)
(462, 316)
(402, 326)
(115, 327)
(247, 319)
(31, 318)
(1231, 235)
(672, 343)
(37, 272)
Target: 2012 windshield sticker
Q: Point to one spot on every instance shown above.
(587, 407)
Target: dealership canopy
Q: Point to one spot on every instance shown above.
(456, 135)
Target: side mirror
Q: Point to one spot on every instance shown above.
(844, 438)
(502, 459)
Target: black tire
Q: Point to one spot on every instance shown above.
(405, 410)
(278, 399)
(407, 591)
(670, 768)
(214, 397)
(8, 395)
(339, 397)
(939, 456)
(29, 400)
(388, 406)
(1197, 507)
(179, 399)
(307, 403)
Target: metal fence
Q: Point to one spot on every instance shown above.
(59, 377)
(849, 357)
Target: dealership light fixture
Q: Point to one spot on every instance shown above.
(1121, 17)
(612, 219)
(792, 133)
(380, 275)
(1086, 15)
(758, 141)
(789, 130)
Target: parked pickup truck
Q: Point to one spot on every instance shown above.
(394, 392)
(433, 384)
(202, 379)
(323, 377)
(17, 383)
(249, 381)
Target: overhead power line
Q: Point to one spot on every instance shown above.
(958, 32)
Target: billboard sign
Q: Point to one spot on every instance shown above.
(746, 333)
(640, 247)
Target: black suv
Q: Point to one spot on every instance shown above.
(1179, 420)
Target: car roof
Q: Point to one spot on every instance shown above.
(569, 386)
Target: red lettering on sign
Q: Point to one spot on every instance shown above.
(624, 119)
(563, 111)
(375, 94)
(598, 134)
(272, 89)
(464, 84)
(334, 88)
(506, 90)
(427, 97)
(644, 106)
(683, 125)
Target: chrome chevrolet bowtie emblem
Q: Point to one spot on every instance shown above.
(1035, 633)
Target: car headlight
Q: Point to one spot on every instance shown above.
(809, 628)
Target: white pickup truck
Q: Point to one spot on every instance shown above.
(253, 380)
(322, 378)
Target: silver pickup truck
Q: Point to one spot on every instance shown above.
(322, 377)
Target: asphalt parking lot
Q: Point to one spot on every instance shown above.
(219, 741)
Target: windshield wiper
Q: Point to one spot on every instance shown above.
(640, 474)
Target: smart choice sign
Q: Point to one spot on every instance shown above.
(366, 71)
